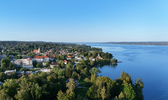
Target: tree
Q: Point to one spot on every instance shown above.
(122, 96)
(103, 93)
(69, 65)
(74, 75)
(68, 72)
(61, 95)
(70, 91)
(71, 86)
(5, 63)
(47, 63)
(2, 76)
(39, 65)
(4, 95)
(94, 71)
(138, 89)
(10, 86)
(85, 73)
(129, 91)
(23, 90)
(34, 63)
(36, 91)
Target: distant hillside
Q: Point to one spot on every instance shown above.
(139, 43)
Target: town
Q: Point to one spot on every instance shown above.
(59, 70)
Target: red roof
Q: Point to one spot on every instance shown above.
(54, 64)
(38, 57)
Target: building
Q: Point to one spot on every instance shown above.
(92, 59)
(52, 65)
(9, 72)
(41, 59)
(99, 57)
(65, 62)
(26, 61)
(44, 70)
(37, 51)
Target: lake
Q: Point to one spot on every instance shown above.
(150, 63)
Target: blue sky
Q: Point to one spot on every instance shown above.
(84, 20)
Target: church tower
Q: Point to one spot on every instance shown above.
(38, 50)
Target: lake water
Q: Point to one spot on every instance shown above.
(150, 63)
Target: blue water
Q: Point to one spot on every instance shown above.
(150, 63)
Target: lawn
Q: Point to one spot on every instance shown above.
(82, 82)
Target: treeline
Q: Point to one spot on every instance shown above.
(54, 85)
(103, 88)
(95, 54)
(18, 46)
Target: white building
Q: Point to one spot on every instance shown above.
(27, 61)
(41, 59)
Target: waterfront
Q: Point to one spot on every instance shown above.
(146, 62)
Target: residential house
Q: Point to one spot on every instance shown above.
(65, 62)
(9, 72)
(44, 70)
(92, 59)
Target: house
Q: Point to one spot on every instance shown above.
(52, 65)
(44, 70)
(9, 72)
(65, 62)
(92, 59)
(99, 57)
(69, 57)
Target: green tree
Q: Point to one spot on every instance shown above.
(5, 63)
(2, 76)
(34, 63)
(40, 65)
(68, 72)
(74, 75)
(10, 86)
(138, 89)
(129, 91)
(61, 95)
(103, 93)
(47, 63)
(69, 65)
(122, 96)
(94, 71)
(23, 91)
(35, 91)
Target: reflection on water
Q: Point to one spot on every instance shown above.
(146, 62)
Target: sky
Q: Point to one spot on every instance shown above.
(84, 20)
